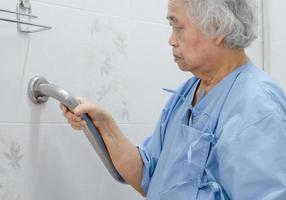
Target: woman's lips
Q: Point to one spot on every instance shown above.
(176, 58)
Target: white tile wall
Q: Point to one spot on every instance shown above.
(255, 51)
(50, 162)
(113, 52)
(276, 36)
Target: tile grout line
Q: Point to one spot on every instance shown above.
(103, 14)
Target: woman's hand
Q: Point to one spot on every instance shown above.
(98, 115)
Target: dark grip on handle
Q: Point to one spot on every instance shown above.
(94, 132)
(102, 150)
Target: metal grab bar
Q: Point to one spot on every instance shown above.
(39, 91)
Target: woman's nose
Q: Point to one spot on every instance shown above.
(173, 40)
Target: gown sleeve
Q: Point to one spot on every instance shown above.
(253, 165)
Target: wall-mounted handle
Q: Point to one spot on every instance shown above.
(39, 91)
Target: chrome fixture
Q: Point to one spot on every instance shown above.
(39, 91)
(23, 9)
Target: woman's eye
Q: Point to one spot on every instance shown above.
(178, 28)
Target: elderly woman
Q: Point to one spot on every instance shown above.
(222, 133)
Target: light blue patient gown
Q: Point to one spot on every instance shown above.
(230, 145)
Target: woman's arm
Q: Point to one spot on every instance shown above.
(124, 155)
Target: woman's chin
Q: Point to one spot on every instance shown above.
(183, 67)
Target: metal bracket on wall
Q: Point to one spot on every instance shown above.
(23, 10)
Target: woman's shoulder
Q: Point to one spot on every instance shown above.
(255, 83)
(255, 95)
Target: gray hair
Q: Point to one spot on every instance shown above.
(234, 19)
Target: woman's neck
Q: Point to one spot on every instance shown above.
(221, 68)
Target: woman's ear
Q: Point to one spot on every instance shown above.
(219, 40)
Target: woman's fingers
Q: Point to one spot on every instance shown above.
(84, 108)
(77, 123)
(63, 108)
(78, 127)
(97, 114)
(70, 116)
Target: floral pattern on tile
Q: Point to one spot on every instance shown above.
(11, 157)
(14, 155)
(104, 53)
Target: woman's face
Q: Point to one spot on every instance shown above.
(192, 49)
